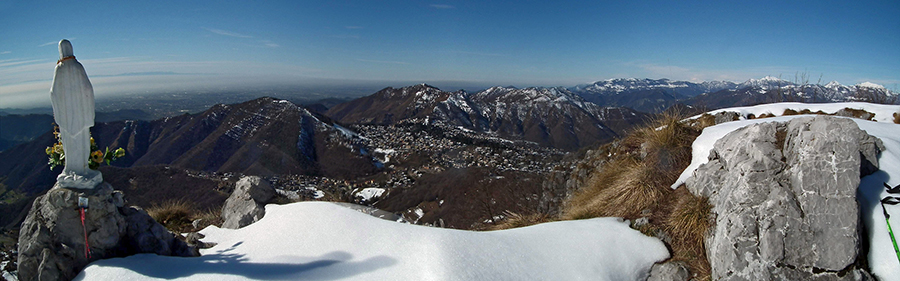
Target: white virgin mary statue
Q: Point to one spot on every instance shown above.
(73, 109)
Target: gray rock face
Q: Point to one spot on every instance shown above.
(784, 196)
(52, 241)
(247, 203)
(669, 271)
(726, 116)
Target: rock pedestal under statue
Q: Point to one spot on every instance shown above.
(52, 240)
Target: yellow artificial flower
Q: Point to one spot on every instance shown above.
(119, 152)
(97, 156)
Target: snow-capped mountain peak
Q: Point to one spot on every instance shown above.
(766, 83)
(871, 85)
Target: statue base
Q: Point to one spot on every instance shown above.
(76, 181)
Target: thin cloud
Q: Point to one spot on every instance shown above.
(382, 61)
(270, 44)
(353, 27)
(480, 54)
(5, 52)
(227, 33)
(441, 6)
(345, 36)
(54, 42)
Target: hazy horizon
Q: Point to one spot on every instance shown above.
(145, 47)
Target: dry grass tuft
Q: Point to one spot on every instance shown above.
(175, 215)
(687, 224)
(623, 191)
(667, 131)
(178, 215)
(690, 218)
(515, 220)
(897, 118)
(207, 218)
(706, 120)
(856, 113)
(789, 111)
(818, 112)
(765, 115)
(635, 182)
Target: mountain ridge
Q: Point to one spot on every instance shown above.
(553, 117)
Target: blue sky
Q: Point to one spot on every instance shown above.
(208, 44)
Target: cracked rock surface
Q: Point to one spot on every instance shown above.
(784, 197)
(247, 204)
(52, 239)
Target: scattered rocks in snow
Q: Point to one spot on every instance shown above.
(375, 212)
(247, 204)
(784, 196)
(52, 241)
(723, 117)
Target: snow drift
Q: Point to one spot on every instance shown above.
(323, 241)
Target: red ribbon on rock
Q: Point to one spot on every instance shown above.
(87, 247)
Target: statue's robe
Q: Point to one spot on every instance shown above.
(73, 109)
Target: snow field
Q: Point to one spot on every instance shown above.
(320, 240)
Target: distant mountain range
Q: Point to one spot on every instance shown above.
(553, 117)
(261, 137)
(648, 95)
(270, 137)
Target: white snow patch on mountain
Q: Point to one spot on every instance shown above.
(323, 241)
(370, 193)
(871, 85)
(347, 132)
(883, 112)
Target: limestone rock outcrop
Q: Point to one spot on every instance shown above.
(784, 197)
(247, 204)
(52, 240)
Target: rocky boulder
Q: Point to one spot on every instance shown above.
(247, 204)
(784, 197)
(726, 116)
(669, 271)
(52, 240)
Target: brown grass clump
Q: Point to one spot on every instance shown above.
(818, 112)
(856, 113)
(207, 218)
(175, 215)
(623, 189)
(765, 115)
(668, 131)
(652, 159)
(687, 225)
(897, 118)
(789, 111)
(635, 182)
(178, 215)
(706, 120)
(515, 220)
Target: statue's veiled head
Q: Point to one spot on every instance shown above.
(65, 49)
